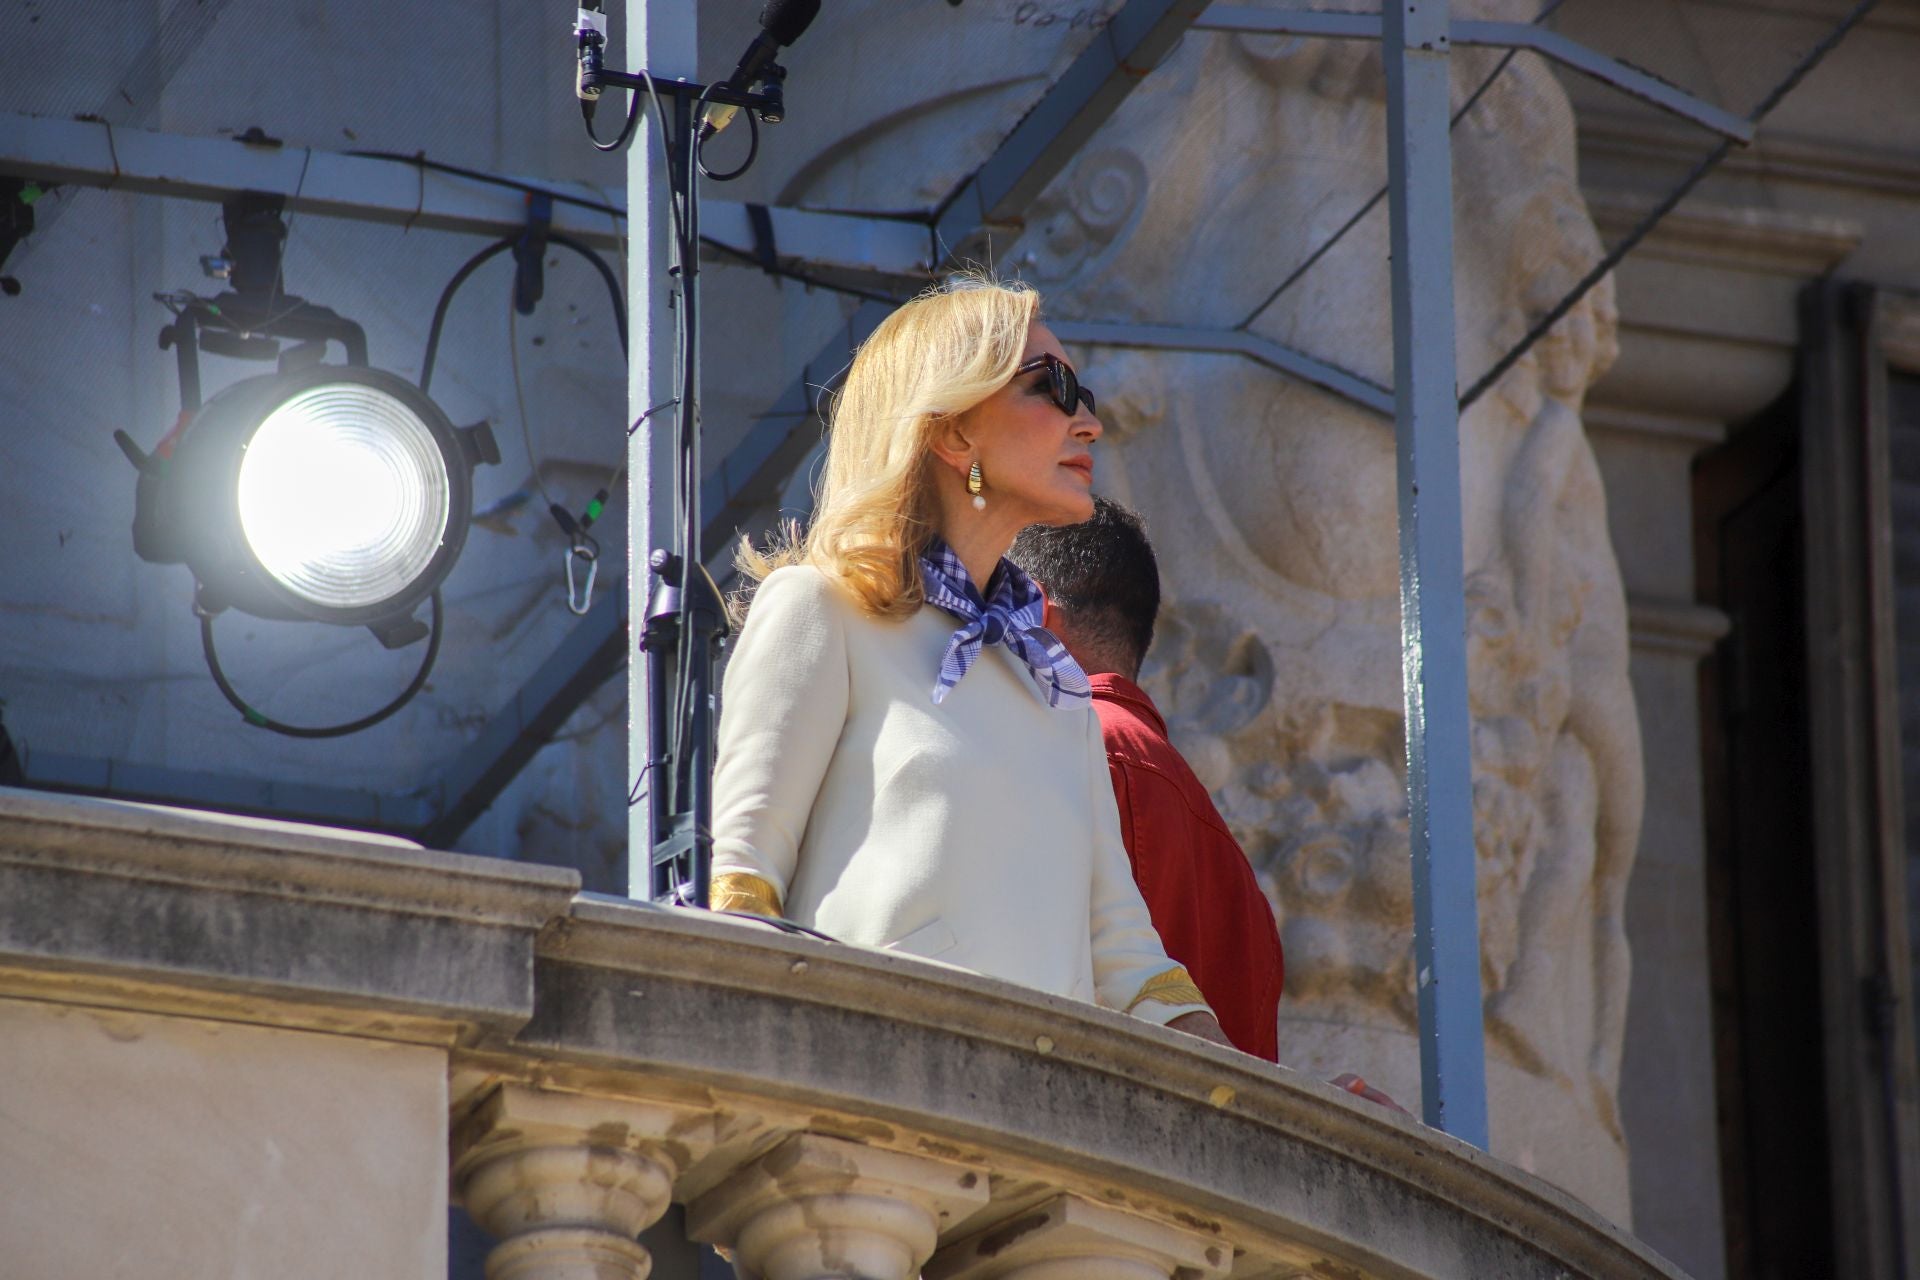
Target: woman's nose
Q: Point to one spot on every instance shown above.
(1086, 427)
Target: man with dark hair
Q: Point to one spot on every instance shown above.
(1103, 595)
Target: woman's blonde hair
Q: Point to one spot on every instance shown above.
(937, 356)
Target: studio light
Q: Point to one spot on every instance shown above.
(333, 493)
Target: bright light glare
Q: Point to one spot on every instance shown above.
(344, 496)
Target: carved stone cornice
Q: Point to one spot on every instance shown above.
(1826, 162)
(1735, 237)
(1690, 435)
(1709, 318)
(1675, 626)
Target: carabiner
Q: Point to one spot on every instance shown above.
(580, 597)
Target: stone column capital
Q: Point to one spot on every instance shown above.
(815, 1207)
(567, 1182)
(1068, 1238)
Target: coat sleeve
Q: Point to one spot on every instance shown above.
(785, 704)
(1131, 970)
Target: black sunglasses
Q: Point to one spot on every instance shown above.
(1063, 384)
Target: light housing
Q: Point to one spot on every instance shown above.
(327, 494)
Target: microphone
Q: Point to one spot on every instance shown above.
(781, 23)
(590, 30)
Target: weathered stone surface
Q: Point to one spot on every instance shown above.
(786, 1033)
(816, 1206)
(223, 909)
(1071, 1239)
(566, 1182)
(137, 1145)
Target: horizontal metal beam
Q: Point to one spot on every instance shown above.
(1246, 20)
(1295, 364)
(1628, 79)
(1047, 139)
(1610, 71)
(398, 192)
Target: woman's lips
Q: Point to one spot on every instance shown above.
(1083, 465)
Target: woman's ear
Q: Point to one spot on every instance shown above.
(951, 442)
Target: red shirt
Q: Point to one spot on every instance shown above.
(1198, 885)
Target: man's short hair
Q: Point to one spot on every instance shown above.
(1102, 574)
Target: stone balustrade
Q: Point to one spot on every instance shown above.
(189, 999)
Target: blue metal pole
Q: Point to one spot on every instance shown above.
(660, 37)
(1446, 926)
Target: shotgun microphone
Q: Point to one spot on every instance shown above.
(781, 23)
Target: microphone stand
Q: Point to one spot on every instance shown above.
(686, 620)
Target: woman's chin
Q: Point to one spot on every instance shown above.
(1075, 508)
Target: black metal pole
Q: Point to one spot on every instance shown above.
(686, 618)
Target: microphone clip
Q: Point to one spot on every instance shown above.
(773, 87)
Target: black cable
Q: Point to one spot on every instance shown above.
(561, 197)
(262, 721)
(753, 153)
(780, 923)
(607, 277)
(1327, 245)
(626, 129)
(1612, 257)
(530, 188)
(479, 259)
(802, 277)
(641, 421)
(688, 420)
(1608, 262)
(446, 299)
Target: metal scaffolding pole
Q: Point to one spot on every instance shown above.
(660, 37)
(1433, 623)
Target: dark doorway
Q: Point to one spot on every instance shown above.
(1761, 882)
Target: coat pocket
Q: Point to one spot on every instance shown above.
(930, 939)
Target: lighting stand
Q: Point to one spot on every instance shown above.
(686, 621)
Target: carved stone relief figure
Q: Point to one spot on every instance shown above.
(1273, 508)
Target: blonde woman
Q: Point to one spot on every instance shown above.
(907, 759)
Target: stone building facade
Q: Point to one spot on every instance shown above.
(1629, 892)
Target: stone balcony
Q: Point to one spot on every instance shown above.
(239, 1048)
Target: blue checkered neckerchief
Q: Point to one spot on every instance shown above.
(1011, 617)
